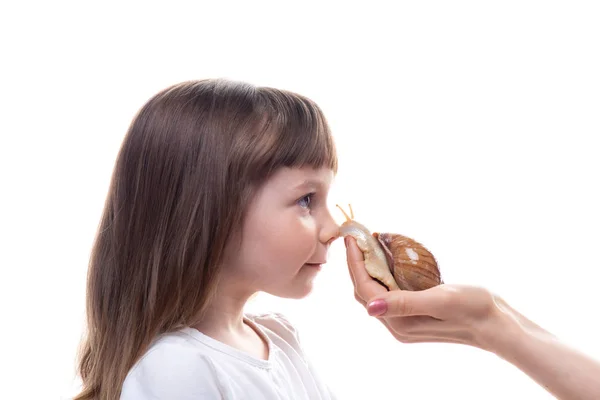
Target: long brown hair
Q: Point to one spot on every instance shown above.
(189, 164)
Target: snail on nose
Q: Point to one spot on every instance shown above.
(396, 261)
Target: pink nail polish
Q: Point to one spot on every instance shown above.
(377, 307)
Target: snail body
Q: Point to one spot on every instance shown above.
(396, 261)
(375, 256)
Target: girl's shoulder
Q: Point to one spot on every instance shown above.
(172, 368)
(278, 327)
(274, 319)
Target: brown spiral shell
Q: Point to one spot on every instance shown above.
(395, 261)
(412, 265)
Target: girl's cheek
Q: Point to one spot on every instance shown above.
(308, 221)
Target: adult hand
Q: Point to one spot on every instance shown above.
(444, 313)
(474, 316)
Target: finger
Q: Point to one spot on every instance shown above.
(418, 339)
(430, 336)
(421, 325)
(401, 303)
(366, 286)
(350, 261)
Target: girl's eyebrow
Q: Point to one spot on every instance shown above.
(310, 184)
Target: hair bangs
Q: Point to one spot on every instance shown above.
(301, 134)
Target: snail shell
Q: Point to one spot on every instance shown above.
(396, 261)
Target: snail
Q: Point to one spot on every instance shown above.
(396, 261)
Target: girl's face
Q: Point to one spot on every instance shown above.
(287, 234)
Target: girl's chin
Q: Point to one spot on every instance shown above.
(297, 290)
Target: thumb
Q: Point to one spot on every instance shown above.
(402, 303)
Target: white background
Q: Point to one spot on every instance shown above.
(470, 126)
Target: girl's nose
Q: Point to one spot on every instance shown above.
(330, 229)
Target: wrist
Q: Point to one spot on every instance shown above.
(502, 329)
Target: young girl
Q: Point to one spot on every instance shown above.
(218, 193)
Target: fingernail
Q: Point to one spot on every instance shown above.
(377, 307)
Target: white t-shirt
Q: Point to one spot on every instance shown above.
(188, 365)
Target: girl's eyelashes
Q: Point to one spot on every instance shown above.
(306, 200)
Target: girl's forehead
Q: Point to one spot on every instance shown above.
(307, 178)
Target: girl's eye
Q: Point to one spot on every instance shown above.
(305, 201)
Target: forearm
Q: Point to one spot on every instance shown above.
(563, 371)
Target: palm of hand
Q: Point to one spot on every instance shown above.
(445, 313)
